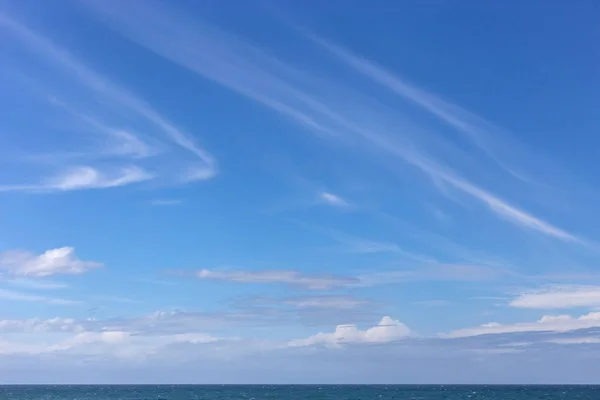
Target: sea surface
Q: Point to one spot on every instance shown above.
(297, 392)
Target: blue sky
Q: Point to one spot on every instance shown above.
(299, 191)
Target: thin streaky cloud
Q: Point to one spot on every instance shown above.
(333, 199)
(548, 323)
(559, 296)
(103, 86)
(24, 296)
(360, 245)
(35, 284)
(165, 202)
(84, 177)
(123, 142)
(436, 106)
(475, 128)
(225, 59)
(288, 277)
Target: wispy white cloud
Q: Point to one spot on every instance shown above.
(354, 244)
(433, 303)
(333, 199)
(107, 344)
(327, 302)
(35, 284)
(165, 202)
(576, 340)
(288, 277)
(550, 323)
(482, 133)
(24, 296)
(559, 296)
(85, 177)
(430, 272)
(52, 262)
(437, 272)
(33, 325)
(235, 64)
(121, 141)
(387, 330)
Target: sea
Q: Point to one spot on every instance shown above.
(298, 392)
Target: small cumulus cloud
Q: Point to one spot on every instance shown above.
(386, 331)
(55, 261)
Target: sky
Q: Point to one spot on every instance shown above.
(299, 191)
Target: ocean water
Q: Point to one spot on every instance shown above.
(297, 392)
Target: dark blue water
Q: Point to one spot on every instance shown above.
(297, 392)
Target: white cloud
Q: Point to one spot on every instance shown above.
(333, 199)
(80, 178)
(118, 344)
(35, 284)
(90, 337)
(576, 340)
(22, 296)
(327, 302)
(34, 325)
(241, 67)
(165, 202)
(91, 178)
(464, 122)
(122, 142)
(360, 245)
(436, 272)
(387, 330)
(55, 261)
(559, 296)
(430, 272)
(554, 323)
(277, 276)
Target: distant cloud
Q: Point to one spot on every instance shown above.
(361, 245)
(52, 262)
(431, 272)
(554, 323)
(35, 284)
(24, 296)
(165, 202)
(559, 296)
(33, 325)
(328, 302)
(332, 199)
(387, 330)
(436, 272)
(85, 178)
(288, 277)
(433, 303)
(576, 340)
(107, 344)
